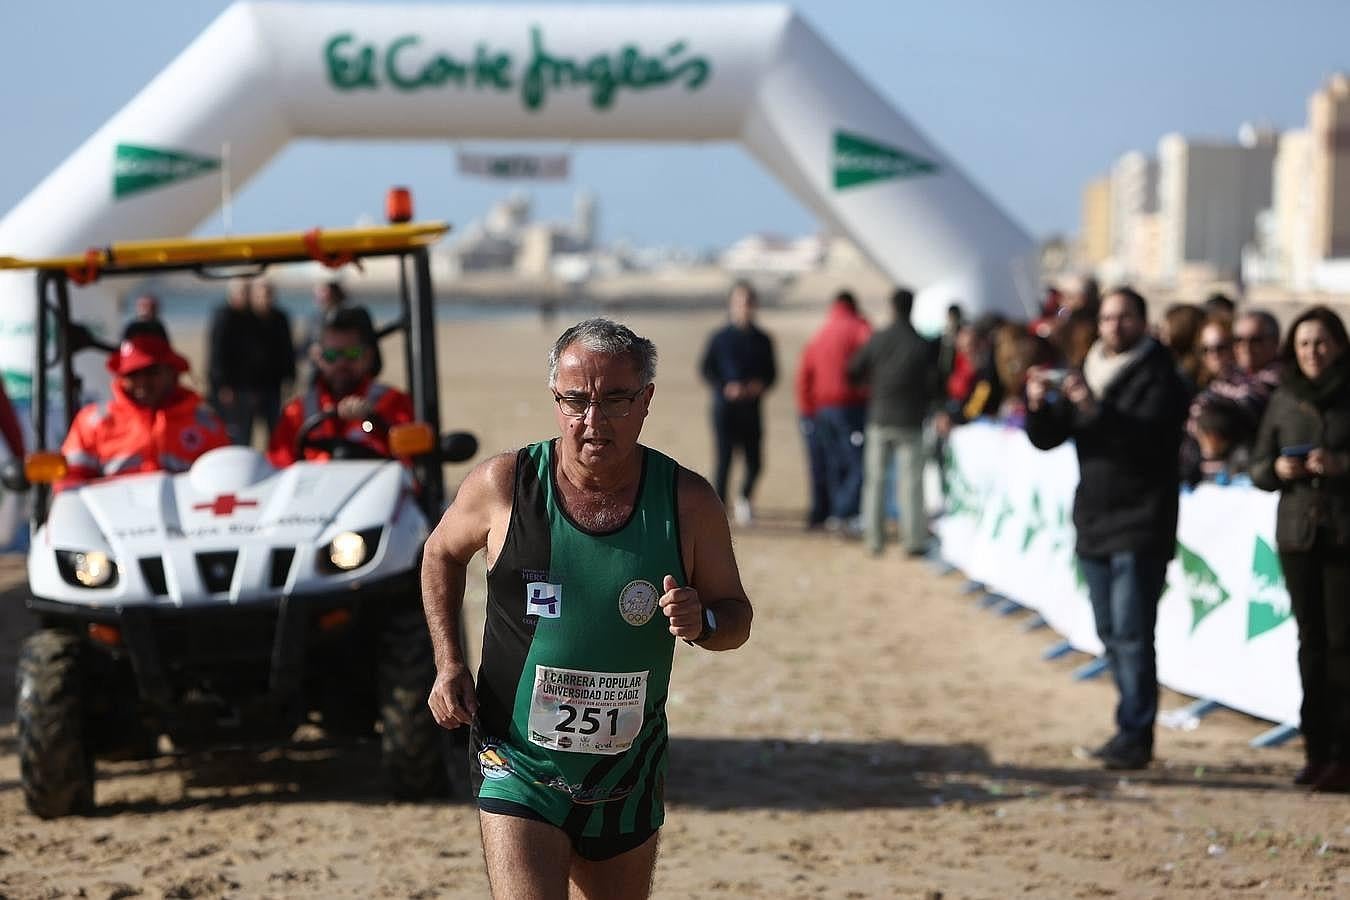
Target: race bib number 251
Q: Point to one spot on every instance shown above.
(586, 712)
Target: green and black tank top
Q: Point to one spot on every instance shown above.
(577, 653)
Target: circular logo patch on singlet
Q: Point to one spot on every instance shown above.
(492, 763)
(637, 602)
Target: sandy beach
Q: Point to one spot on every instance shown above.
(880, 736)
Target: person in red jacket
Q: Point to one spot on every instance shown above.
(819, 512)
(360, 409)
(839, 406)
(151, 424)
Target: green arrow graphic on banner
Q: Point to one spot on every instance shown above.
(1005, 512)
(137, 168)
(1062, 529)
(1268, 607)
(1035, 521)
(859, 160)
(1205, 590)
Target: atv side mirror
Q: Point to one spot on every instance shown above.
(12, 476)
(457, 446)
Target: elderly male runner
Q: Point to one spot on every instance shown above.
(600, 553)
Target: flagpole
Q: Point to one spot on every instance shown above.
(225, 214)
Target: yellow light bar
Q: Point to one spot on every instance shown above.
(243, 249)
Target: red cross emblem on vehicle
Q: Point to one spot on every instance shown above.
(224, 505)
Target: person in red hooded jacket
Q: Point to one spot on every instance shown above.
(362, 409)
(151, 424)
(838, 407)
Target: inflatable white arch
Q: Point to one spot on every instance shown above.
(263, 74)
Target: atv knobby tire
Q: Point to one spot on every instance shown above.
(55, 762)
(412, 761)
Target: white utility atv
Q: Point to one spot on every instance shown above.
(227, 605)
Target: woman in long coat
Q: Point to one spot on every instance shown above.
(1303, 451)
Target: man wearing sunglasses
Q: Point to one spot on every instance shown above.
(600, 552)
(1256, 344)
(359, 410)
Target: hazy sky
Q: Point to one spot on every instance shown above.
(1031, 97)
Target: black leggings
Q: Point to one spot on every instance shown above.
(737, 425)
(1319, 592)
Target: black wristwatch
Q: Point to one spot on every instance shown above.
(709, 627)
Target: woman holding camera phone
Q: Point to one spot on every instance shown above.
(1303, 451)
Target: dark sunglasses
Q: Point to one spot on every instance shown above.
(333, 354)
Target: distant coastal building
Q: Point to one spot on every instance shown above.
(1284, 253)
(1209, 194)
(768, 254)
(1134, 192)
(1267, 208)
(1094, 241)
(1329, 123)
(1305, 244)
(1134, 205)
(508, 240)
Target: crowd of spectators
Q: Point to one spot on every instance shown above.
(1227, 359)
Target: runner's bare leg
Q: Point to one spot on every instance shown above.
(526, 860)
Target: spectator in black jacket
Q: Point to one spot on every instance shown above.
(901, 368)
(738, 364)
(230, 355)
(1125, 411)
(249, 358)
(275, 352)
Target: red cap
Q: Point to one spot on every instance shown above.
(142, 351)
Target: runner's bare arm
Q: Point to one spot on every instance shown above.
(705, 539)
(479, 515)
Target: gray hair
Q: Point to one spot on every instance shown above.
(605, 336)
(1269, 324)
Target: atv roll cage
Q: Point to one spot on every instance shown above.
(224, 257)
(238, 629)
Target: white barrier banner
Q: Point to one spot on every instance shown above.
(1224, 627)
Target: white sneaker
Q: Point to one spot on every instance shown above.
(742, 512)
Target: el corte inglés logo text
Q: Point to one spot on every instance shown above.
(406, 64)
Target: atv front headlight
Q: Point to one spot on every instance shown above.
(350, 550)
(87, 568)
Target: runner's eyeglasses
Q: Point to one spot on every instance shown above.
(333, 354)
(612, 407)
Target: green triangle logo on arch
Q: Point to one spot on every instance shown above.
(137, 168)
(859, 160)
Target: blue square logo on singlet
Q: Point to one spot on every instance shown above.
(543, 599)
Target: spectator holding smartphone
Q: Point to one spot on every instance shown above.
(1303, 451)
(1124, 411)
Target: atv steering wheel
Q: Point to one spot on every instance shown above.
(336, 447)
